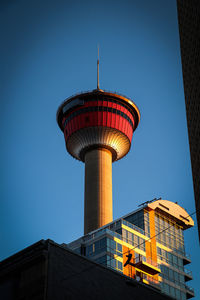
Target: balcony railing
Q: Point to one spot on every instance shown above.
(152, 281)
(145, 259)
(188, 272)
(134, 227)
(102, 232)
(146, 264)
(188, 275)
(187, 256)
(189, 289)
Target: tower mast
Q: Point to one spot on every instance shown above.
(98, 70)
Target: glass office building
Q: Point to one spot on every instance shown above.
(146, 245)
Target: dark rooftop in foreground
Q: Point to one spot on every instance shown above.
(46, 270)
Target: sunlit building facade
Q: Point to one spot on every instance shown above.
(146, 245)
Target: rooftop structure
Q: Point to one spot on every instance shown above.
(146, 245)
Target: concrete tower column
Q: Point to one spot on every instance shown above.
(98, 189)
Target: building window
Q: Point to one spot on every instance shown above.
(120, 266)
(166, 288)
(172, 291)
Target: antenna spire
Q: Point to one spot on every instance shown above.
(98, 70)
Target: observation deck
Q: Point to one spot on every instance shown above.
(98, 119)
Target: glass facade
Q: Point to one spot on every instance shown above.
(133, 239)
(171, 234)
(155, 243)
(171, 260)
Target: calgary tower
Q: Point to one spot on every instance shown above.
(98, 127)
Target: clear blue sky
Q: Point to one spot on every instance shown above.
(49, 52)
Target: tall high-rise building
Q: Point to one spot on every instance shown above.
(147, 245)
(189, 30)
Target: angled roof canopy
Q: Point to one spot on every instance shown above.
(174, 210)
